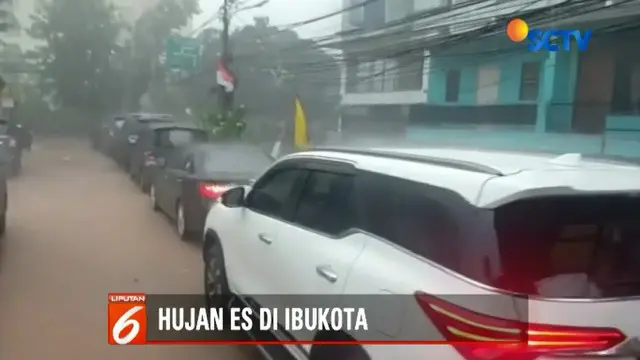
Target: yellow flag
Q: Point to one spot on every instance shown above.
(300, 136)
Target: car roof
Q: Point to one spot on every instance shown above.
(149, 116)
(489, 178)
(173, 125)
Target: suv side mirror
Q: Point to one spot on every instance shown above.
(161, 162)
(233, 198)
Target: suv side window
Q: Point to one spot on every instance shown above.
(410, 215)
(188, 164)
(272, 192)
(327, 203)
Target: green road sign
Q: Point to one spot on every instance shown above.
(182, 53)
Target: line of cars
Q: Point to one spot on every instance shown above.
(175, 163)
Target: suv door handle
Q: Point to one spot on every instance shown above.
(265, 239)
(327, 272)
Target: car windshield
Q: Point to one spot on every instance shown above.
(570, 246)
(243, 162)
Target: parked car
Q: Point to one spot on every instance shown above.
(9, 135)
(10, 156)
(127, 137)
(5, 171)
(482, 246)
(194, 177)
(156, 142)
(105, 131)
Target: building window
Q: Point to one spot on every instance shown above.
(452, 91)
(352, 76)
(355, 17)
(530, 81)
(488, 85)
(409, 75)
(366, 75)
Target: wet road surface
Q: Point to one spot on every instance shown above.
(77, 229)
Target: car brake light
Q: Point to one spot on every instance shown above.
(499, 339)
(212, 191)
(149, 158)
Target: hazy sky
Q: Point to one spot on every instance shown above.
(282, 12)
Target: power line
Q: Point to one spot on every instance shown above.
(454, 40)
(326, 16)
(419, 44)
(601, 31)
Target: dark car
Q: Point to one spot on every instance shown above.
(105, 131)
(10, 134)
(4, 203)
(128, 135)
(156, 142)
(192, 179)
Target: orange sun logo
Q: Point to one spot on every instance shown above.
(517, 30)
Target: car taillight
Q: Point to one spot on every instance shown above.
(149, 158)
(212, 191)
(501, 339)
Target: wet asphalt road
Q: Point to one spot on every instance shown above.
(78, 229)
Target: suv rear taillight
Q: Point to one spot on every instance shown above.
(478, 336)
(212, 191)
(149, 158)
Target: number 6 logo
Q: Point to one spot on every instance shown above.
(123, 322)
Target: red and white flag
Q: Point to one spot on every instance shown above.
(225, 77)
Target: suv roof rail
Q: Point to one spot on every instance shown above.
(431, 160)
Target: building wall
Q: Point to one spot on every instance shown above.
(500, 101)
(382, 80)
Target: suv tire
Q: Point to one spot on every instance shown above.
(216, 286)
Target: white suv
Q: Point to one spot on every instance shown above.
(480, 246)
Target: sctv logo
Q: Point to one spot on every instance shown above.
(550, 40)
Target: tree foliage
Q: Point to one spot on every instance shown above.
(272, 67)
(150, 32)
(80, 38)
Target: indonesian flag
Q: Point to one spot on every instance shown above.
(225, 77)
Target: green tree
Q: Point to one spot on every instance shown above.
(150, 32)
(272, 66)
(80, 39)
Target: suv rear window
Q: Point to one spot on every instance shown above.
(179, 137)
(570, 247)
(242, 161)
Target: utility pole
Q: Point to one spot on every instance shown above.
(226, 98)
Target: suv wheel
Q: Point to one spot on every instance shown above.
(152, 198)
(216, 287)
(3, 224)
(181, 222)
(142, 183)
